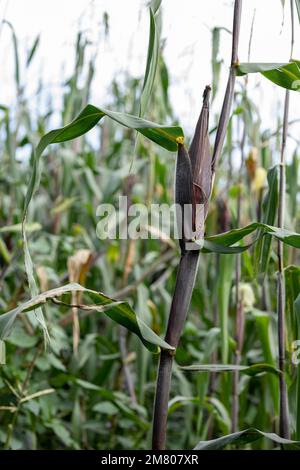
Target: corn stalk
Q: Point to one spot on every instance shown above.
(194, 186)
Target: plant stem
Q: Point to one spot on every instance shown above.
(12, 425)
(239, 326)
(180, 303)
(228, 98)
(189, 260)
(240, 317)
(283, 417)
(221, 133)
(283, 405)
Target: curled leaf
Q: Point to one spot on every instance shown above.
(119, 311)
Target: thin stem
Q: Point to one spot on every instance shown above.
(283, 405)
(239, 326)
(292, 29)
(240, 317)
(228, 98)
(284, 416)
(221, 133)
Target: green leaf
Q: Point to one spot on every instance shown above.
(155, 5)
(210, 247)
(163, 135)
(105, 407)
(286, 75)
(32, 51)
(16, 228)
(265, 334)
(247, 370)
(245, 437)
(61, 432)
(270, 204)
(119, 311)
(297, 315)
(215, 61)
(292, 174)
(292, 288)
(258, 67)
(224, 282)
(2, 352)
(151, 65)
(4, 252)
(222, 242)
(16, 53)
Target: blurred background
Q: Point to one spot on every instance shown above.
(119, 40)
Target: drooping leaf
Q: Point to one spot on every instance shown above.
(165, 136)
(119, 311)
(286, 75)
(210, 247)
(245, 437)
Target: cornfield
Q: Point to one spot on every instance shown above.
(152, 341)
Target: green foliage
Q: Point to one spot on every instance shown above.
(120, 312)
(286, 75)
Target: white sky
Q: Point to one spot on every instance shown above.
(186, 27)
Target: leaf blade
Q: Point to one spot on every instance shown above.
(244, 437)
(118, 311)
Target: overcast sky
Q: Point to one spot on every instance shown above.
(186, 28)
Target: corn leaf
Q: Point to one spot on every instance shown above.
(32, 51)
(286, 75)
(247, 370)
(155, 5)
(215, 61)
(17, 228)
(265, 334)
(224, 281)
(245, 437)
(223, 241)
(162, 135)
(269, 206)
(119, 311)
